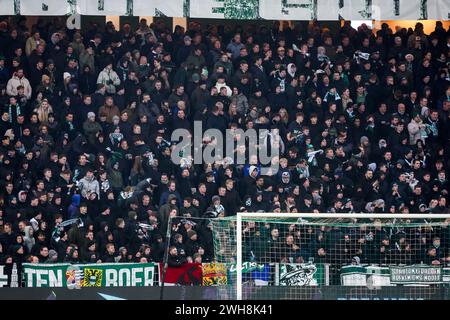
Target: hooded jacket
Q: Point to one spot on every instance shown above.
(235, 48)
(87, 59)
(28, 239)
(415, 131)
(114, 176)
(110, 79)
(89, 185)
(241, 103)
(14, 82)
(73, 208)
(90, 129)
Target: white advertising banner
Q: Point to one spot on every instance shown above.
(238, 9)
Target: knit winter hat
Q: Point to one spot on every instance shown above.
(52, 255)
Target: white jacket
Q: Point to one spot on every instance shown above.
(14, 82)
(88, 186)
(221, 85)
(415, 130)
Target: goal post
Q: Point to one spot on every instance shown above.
(352, 250)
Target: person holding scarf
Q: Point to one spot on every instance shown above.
(13, 109)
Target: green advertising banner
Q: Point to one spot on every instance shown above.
(366, 276)
(90, 275)
(302, 274)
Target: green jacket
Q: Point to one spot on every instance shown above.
(90, 130)
(114, 176)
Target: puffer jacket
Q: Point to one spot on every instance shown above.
(110, 79)
(88, 186)
(28, 239)
(235, 48)
(109, 112)
(14, 82)
(90, 130)
(241, 103)
(87, 59)
(414, 130)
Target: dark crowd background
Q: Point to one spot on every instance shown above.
(86, 121)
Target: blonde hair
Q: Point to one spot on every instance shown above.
(43, 113)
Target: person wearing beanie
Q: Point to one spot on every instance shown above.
(90, 253)
(52, 256)
(91, 127)
(216, 200)
(192, 243)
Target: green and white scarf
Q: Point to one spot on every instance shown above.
(18, 112)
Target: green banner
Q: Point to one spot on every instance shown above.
(302, 274)
(246, 267)
(416, 274)
(90, 275)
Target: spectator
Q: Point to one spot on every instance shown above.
(362, 121)
(33, 41)
(109, 78)
(89, 186)
(109, 109)
(18, 79)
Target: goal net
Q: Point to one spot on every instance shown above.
(334, 256)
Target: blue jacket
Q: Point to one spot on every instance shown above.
(72, 210)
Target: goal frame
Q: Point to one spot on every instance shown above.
(265, 215)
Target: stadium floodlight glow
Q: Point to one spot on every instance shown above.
(393, 221)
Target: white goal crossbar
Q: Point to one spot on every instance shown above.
(241, 215)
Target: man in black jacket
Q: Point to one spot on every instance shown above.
(175, 260)
(217, 119)
(110, 255)
(232, 200)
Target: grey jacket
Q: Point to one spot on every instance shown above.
(88, 186)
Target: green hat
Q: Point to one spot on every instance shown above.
(116, 156)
